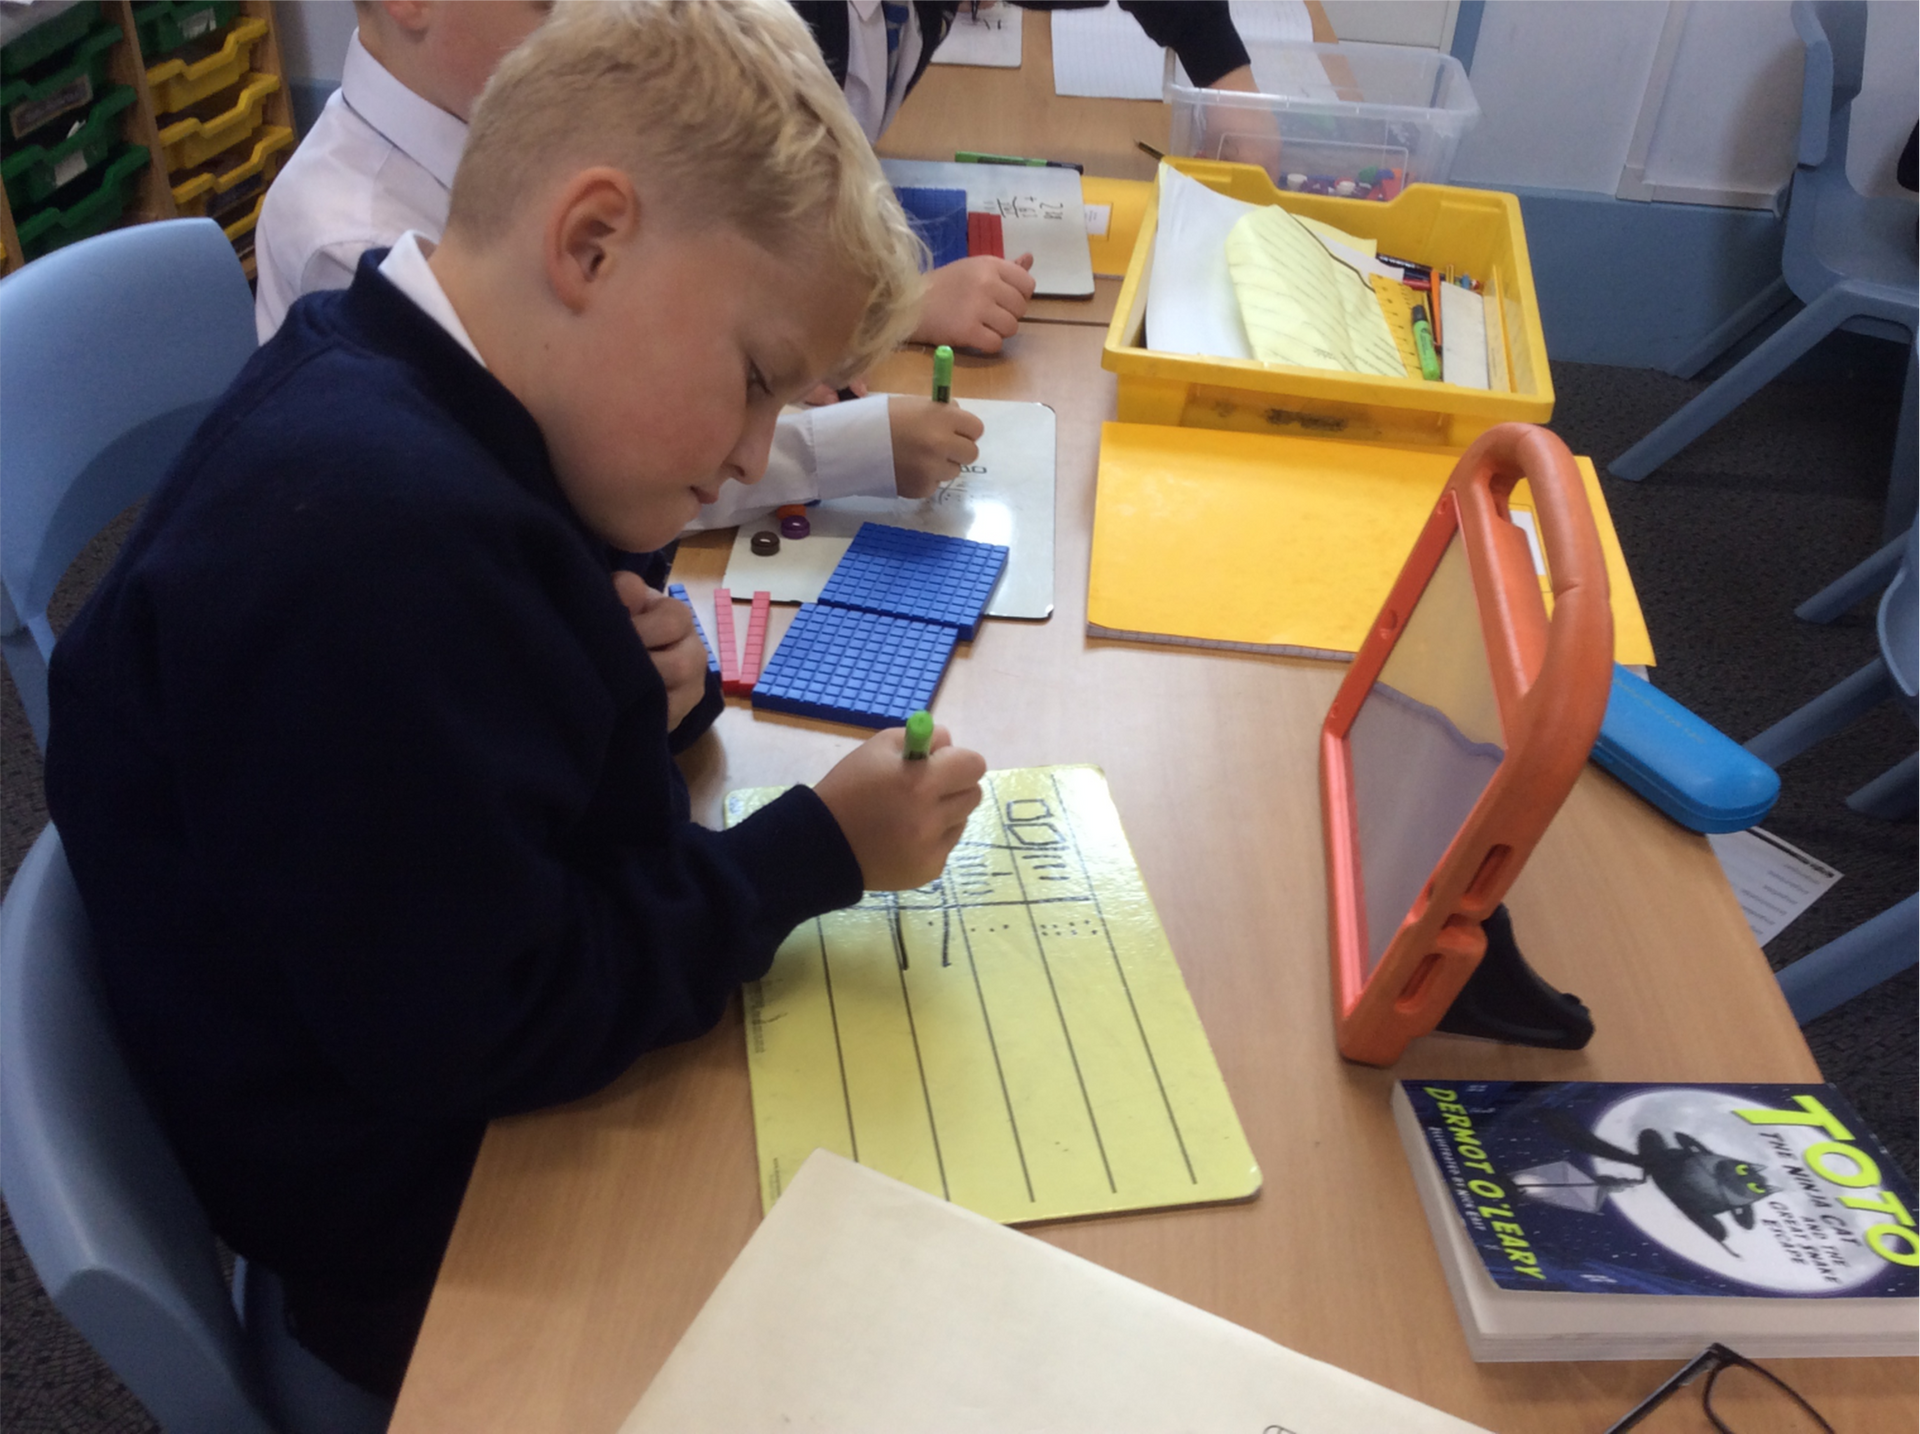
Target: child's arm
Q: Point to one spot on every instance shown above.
(666, 627)
(839, 450)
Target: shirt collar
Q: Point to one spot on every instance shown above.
(426, 133)
(406, 268)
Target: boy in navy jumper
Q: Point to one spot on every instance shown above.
(360, 753)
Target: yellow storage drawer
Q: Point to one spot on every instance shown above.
(225, 182)
(216, 124)
(1472, 231)
(183, 81)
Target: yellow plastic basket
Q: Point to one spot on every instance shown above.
(202, 188)
(1473, 231)
(191, 141)
(177, 83)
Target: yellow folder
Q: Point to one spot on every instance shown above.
(1278, 545)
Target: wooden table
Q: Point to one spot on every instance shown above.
(591, 1235)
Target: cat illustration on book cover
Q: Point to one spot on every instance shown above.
(1702, 1184)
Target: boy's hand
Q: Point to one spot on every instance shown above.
(665, 625)
(932, 442)
(902, 818)
(975, 303)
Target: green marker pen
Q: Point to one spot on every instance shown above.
(1423, 341)
(942, 374)
(919, 735)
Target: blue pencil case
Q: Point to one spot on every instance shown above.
(1685, 766)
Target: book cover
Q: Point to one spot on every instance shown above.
(1663, 1189)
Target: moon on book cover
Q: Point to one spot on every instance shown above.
(1794, 1239)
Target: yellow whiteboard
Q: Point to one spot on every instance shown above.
(1015, 1037)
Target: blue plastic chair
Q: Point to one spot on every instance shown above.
(1893, 675)
(1849, 259)
(1867, 955)
(115, 349)
(105, 1214)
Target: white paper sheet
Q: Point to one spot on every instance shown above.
(1104, 54)
(1463, 320)
(1774, 880)
(1191, 307)
(991, 40)
(1005, 497)
(1042, 212)
(862, 1305)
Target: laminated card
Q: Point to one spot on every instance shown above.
(1015, 1037)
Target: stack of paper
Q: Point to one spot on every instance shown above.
(863, 1305)
(1302, 306)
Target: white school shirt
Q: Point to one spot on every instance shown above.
(380, 161)
(873, 101)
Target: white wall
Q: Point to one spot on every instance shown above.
(313, 37)
(1884, 113)
(1559, 87)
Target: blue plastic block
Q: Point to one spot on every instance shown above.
(939, 217)
(1681, 763)
(913, 574)
(860, 667)
(679, 590)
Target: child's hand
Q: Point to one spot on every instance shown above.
(665, 625)
(902, 818)
(975, 303)
(932, 442)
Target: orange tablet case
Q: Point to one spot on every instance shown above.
(1550, 681)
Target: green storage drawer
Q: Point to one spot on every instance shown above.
(97, 205)
(69, 83)
(48, 39)
(165, 25)
(34, 172)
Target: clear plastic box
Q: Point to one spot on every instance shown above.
(1372, 118)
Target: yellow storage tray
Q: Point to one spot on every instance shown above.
(204, 190)
(1474, 231)
(197, 136)
(244, 225)
(180, 82)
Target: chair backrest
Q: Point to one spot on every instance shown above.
(1899, 622)
(107, 1218)
(1835, 34)
(116, 348)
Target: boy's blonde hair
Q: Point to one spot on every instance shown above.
(728, 107)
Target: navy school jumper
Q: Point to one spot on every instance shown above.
(364, 778)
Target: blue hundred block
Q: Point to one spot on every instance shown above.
(939, 217)
(912, 574)
(864, 668)
(679, 590)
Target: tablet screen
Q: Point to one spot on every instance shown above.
(1423, 747)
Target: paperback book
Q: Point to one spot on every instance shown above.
(1585, 1220)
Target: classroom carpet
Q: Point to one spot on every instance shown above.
(1779, 499)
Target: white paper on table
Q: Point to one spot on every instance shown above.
(1774, 880)
(1042, 212)
(1004, 497)
(1104, 54)
(991, 40)
(863, 1305)
(1191, 306)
